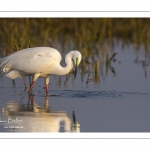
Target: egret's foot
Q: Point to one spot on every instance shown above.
(30, 94)
(47, 95)
(25, 88)
(31, 98)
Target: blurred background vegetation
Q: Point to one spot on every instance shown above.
(85, 34)
(94, 37)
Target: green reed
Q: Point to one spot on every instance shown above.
(85, 33)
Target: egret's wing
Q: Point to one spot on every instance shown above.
(28, 61)
(38, 63)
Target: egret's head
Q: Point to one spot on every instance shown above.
(76, 57)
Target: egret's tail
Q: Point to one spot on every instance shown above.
(14, 74)
(2, 70)
(2, 60)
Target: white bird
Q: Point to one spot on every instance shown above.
(39, 62)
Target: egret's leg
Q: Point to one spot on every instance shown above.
(30, 80)
(32, 84)
(46, 102)
(35, 76)
(13, 81)
(25, 85)
(31, 98)
(47, 89)
(46, 83)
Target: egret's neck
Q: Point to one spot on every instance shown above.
(69, 65)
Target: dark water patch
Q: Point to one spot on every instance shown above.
(98, 94)
(77, 94)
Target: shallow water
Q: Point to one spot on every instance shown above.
(118, 101)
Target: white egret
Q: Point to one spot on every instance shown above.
(39, 62)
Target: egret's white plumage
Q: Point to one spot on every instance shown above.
(39, 62)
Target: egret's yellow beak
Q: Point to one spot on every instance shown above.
(76, 67)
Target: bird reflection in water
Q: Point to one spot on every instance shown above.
(35, 118)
